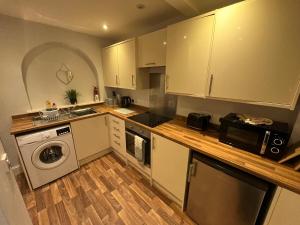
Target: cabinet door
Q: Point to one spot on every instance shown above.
(255, 55)
(169, 165)
(286, 210)
(90, 136)
(152, 49)
(110, 66)
(127, 66)
(188, 51)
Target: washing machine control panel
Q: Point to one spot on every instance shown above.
(63, 131)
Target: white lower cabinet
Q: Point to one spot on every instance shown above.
(285, 209)
(169, 165)
(117, 135)
(90, 136)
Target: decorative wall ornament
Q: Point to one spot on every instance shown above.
(64, 74)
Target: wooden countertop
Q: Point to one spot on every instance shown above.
(204, 142)
(24, 123)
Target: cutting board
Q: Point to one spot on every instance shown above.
(124, 111)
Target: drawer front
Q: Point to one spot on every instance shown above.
(116, 129)
(117, 134)
(116, 122)
(116, 143)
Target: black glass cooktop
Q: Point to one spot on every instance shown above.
(149, 119)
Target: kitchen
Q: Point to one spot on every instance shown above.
(171, 112)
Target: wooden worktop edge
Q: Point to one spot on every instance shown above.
(266, 169)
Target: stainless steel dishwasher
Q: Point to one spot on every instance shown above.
(219, 194)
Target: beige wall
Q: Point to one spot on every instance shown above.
(220, 108)
(141, 97)
(41, 77)
(217, 109)
(17, 38)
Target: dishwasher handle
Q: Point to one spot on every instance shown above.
(192, 171)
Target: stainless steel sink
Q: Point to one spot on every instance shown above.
(83, 112)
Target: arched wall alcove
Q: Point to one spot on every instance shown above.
(39, 72)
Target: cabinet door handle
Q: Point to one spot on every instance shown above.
(117, 143)
(116, 129)
(167, 82)
(116, 122)
(116, 79)
(210, 83)
(153, 143)
(182, 93)
(132, 80)
(117, 136)
(191, 172)
(105, 118)
(150, 63)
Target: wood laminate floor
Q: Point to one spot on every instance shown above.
(105, 191)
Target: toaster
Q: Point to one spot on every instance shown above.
(198, 121)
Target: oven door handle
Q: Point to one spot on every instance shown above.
(133, 135)
(129, 133)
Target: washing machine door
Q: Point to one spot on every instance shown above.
(50, 155)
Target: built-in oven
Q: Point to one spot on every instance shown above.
(138, 142)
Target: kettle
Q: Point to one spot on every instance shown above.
(125, 101)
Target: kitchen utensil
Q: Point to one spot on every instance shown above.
(125, 101)
(198, 121)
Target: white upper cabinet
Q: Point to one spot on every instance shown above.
(119, 66)
(127, 66)
(110, 66)
(256, 55)
(188, 51)
(152, 49)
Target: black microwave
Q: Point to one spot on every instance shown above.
(269, 141)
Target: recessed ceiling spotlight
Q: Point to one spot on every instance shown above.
(140, 6)
(105, 27)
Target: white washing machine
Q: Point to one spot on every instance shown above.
(48, 154)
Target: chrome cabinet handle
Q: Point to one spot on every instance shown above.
(132, 80)
(117, 136)
(153, 143)
(210, 83)
(191, 172)
(118, 143)
(117, 129)
(150, 63)
(116, 79)
(116, 122)
(167, 82)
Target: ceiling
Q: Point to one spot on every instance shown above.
(121, 16)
